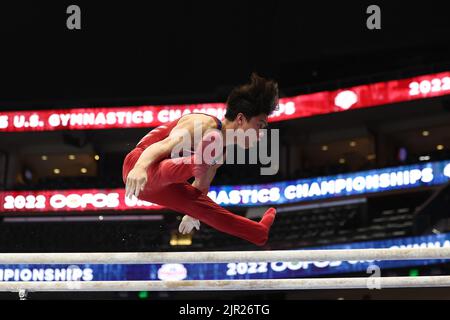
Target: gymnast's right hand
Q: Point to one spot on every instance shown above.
(136, 180)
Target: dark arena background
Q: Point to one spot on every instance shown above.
(364, 142)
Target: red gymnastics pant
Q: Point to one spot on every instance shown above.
(167, 186)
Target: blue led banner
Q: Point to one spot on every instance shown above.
(296, 191)
(363, 182)
(218, 271)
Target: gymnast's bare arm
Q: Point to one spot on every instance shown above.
(137, 177)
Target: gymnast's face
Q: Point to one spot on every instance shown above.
(251, 128)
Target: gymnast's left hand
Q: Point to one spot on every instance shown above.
(187, 224)
(136, 180)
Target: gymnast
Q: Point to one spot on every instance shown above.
(154, 171)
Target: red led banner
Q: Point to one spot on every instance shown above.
(290, 108)
(70, 200)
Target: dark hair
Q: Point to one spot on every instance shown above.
(252, 99)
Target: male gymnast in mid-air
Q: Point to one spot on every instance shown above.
(153, 173)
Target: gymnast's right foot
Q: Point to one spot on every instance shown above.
(266, 221)
(268, 217)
